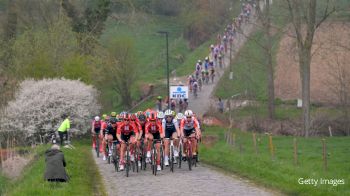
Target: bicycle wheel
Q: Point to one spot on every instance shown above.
(161, 156)
(97, 148)
(155, 160)
(137, 160)
(127, 164)
(180, 155)
(172, 158)
(189, 155)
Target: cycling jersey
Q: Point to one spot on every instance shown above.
(189, 126)
(169, 127)
(127, 129)
(97, 126)
(111, 130)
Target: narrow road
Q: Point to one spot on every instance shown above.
(200, 181)
(202, 103)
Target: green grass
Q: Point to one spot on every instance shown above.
(281, 173)
(3, 183)
(85, 178)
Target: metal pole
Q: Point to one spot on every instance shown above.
(167, 67)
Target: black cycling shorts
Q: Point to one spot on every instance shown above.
(126, 138)
(156, 135)
(97, 131)
(113, 134)
(169, 132)
(188, 132)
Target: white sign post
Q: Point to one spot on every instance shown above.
(178, 92)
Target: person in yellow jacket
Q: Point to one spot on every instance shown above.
(64, 128)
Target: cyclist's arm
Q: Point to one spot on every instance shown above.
(119, 131)
(92, 128)
(136, 130)
(177, 128)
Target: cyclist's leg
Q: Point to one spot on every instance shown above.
(176, 143)
(194, 144)
(149, 144)
(122, 150)
(157, 136)
(93, 136)
(109, 143)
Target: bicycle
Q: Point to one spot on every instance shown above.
(171, 154)
(115, 155)
(189, 153)
(128, 162)
(180, 153)
(154, 155)
(97, 145)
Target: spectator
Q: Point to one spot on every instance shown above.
(181, 106)
(159, 103)
(63, 129)
(173, 104)
(185, 104)
(55, 165)
(221, 106)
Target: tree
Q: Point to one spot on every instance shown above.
(265, 17)
(304, 13)
(90, 26)
(39, 105)
(121, 68)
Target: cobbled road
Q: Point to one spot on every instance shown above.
(200, 181)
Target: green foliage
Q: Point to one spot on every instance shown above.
(281, 174)
(120, 69)
(3, 183)
(84, 176)
(203, 18)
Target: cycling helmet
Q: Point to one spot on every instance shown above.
(139, 113)
(133, 117)
(212, 46)
(188, 113)
(199, 61)
(126, 117)
(113, 114)
(113, 120)
(160, 115)
(104, 116)
(152, 116)
(206, 58)
(179, 116)
(142, 117)
(169, 113)
(97, 118)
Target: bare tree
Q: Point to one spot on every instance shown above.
(121, 68)
(303, 13)
(265, 18)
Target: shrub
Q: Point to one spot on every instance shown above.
(39, 105)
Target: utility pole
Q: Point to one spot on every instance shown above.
(167, 63)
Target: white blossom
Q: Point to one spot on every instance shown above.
(39, 105)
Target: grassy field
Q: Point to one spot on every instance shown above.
(85, 178)
(281, 173)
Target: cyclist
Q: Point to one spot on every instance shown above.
(111, 131)
(189, 127)
(142, 121)
(95, 130)
(126, 132)
(220, 61)
(212, 74)
(171, 129)
(195, 88)
(160, 114)
(154, 131)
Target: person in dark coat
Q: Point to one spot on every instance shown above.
(55, 165)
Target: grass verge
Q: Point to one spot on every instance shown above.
(280, 173)
(81, 167)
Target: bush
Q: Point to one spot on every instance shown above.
(39, 105)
